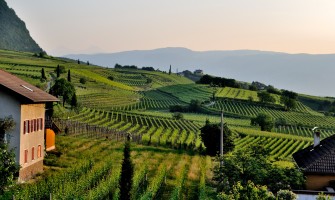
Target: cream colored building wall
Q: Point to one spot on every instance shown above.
(11, 106)
(29, 140)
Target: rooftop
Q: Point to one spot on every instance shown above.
(319, 159)
(24, 89)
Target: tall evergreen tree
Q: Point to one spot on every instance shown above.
(69, 76)
(127, 171)
(74, 101)
(170, 70)
(43, 74)
(58, 71)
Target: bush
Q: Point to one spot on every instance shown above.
(286, 195)
(82, 80)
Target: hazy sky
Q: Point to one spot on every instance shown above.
(91, 26)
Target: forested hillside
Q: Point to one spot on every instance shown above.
(14, 34)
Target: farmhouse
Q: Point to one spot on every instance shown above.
(26, 104)
(317, 162)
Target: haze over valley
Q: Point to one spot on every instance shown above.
(303, 73)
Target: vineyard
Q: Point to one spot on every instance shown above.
(166, 150)
(80, 174)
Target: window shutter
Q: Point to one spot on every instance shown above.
(24, 127)
(33, 153)
(25, 156)
(31, 126)
(41, 123)
(35, 125)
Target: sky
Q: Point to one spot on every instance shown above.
(94, 26)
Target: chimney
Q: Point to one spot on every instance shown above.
(316, 134)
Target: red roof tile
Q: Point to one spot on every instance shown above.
(24, 89)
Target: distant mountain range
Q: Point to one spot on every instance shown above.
(13, 32)
(304, 73)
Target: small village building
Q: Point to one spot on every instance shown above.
(198, 72)
(26, 104)
(317, 162)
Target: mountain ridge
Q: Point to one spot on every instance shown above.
(14, 33)
(304, 73)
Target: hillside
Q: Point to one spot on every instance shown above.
(303, 73)
(115, 102)
(14, 33)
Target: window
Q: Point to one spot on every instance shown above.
(24, 127)
(38, 124)
(39, 151)
(31, 126)
(28, 126)
(33, 153)
(25, 156)
(41, 123)
(35, 125)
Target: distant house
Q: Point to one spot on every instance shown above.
(26, 104)
(198, 72)
(317, 162)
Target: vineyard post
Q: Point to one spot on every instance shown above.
(221, 140)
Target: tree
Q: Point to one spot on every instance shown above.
(289, 94)
(78, 61)
(170, 70)
(273, 90)
(58, 71)
(8, 167)
(265, 121)
(82, 80)
(194, 106)
(74, 101)
(6, 124)
(69, 76)
(43, 77)
(127, 171)
(88, 63)
(286, 195)
(289, 103)
(280, 122)
(266, 97)
(248, 191)
(252, 88)
(252, 164)
(63, 88)
(178, 116)
(210, 135)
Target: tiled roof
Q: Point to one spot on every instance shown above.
(319, 159)
(24, 89)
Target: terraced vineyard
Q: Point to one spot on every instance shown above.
(137, 102)
(188, 92)
(81, 174)
(243, 94)
(244, 109)
(158, 131)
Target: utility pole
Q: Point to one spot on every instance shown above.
(221, 139)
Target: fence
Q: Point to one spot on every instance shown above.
(79, 129)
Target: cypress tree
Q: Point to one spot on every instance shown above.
(127, 171)
(43, 74)
(74, 101)
(170, 70)
(58, 71)
(68, 76)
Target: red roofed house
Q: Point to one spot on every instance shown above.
(26, 104)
